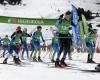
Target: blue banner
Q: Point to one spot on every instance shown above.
(75, 28)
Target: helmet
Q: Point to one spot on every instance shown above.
(39, 27)
(6, 36)
(25, 29)
(18, 28)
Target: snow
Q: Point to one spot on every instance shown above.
(46, 9)
(40, 71)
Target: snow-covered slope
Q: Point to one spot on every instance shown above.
(46, 8)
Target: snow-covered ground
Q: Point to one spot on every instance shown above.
(42, 71)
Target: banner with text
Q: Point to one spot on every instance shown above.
(27, 21)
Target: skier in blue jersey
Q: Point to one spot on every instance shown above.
(24, 43)
(36, 39)
(90, 44)
(55, 46)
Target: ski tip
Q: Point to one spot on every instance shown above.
(90, 70)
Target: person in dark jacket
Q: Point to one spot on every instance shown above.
(63, 25)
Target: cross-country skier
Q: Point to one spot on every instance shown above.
(90, 44)
(24, 43)
(55, 46)
(36, 38)
(15, 40)
(63, 28)
(18, 29)
(13, 47)
(6, 44)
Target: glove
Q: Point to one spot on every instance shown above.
(87, 43)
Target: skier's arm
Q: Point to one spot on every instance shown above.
(9, 41)
(33, 36)
(58, 22)
(28, 35)
(42, 38)
(94, 43)
(21, 39)
(2, 40)
(13, 35)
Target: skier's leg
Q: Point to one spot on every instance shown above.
(64, 56)
(8, 55)
(33, 49)
(39, 50)
(57, 62)
(27, 52)
(54, 49)
(89, 55)
(92, 54)
(39, 53)
(61, 44)
(26, 49)
(22, 56)
(53, 56)
(36, 50)
(5, 49)
(60, 51)
(17, 60)
(4, 52)
(69, 53)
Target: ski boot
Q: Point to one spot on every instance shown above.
(57, 64)
(63, 63)
(5, 61)
(92, 61)
(39, 59)
(52, 60)
(16, 60)
(88, 59)
(70, 58)
(34, 59)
